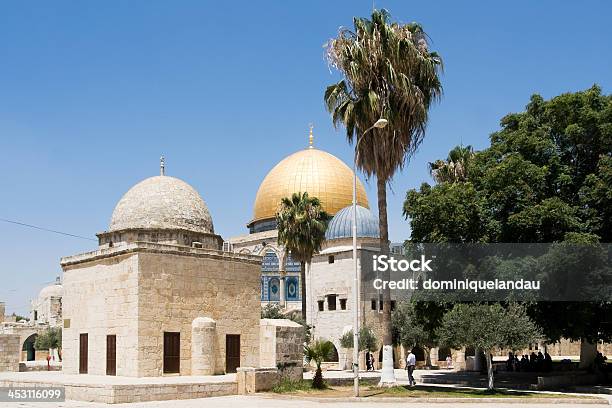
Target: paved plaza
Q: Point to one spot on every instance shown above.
(266, 402)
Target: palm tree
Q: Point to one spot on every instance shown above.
(301, 230)
(389, 73)
(455, 168)
(318, 351)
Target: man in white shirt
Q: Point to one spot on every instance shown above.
(410, 364)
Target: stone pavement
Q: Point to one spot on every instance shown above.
(265, 402)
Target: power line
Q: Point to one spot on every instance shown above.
(46, 229)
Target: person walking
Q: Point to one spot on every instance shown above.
(410, 364)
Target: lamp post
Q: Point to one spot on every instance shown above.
(380, 123)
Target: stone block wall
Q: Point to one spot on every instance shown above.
(10, 348)
(251, 380)
(101, 298)
(175, 289)
(281, 346)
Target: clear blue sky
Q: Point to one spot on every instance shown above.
(91, 93)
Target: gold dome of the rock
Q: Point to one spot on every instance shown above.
(319, 173)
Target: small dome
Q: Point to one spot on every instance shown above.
(54, 290)
(162, 202)
(341, 226)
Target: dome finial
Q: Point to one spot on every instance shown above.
(310, 138)
(162, 166)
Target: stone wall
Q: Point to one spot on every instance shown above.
(101, 298)
(10, 348)
(175, 289)
(281, 346)
(140, 291)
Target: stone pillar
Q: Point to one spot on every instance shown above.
(2, 311)
(203, 346)
(588, 351)
(458, 357)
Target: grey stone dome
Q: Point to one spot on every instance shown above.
(54, 290)
(341, 226)
(162, 202)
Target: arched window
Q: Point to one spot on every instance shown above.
(274, 290)
(269, 270)
(292, 288)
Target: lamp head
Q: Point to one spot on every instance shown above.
(381, 123)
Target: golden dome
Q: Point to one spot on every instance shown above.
(319, 173)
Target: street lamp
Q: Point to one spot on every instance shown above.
(380, 123)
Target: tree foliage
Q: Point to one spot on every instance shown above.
(487, 327)
(367, 339)
(546, 177)
(301, 223)
(272, 311)
(49, 339)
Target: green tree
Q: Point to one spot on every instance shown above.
(318, 351)
(367, 339)
(415, 324)
(389, 72)
(49, 339)
(487, 327)
(301, 230)
(546, 177)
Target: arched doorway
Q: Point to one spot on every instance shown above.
(28, 347)
(443, 352)
(333, 358)
(419, 353)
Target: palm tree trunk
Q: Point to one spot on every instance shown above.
(388, 375)
(303, 287)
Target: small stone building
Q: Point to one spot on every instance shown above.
(47, 307)
(159, 296)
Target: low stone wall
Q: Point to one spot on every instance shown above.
(127, 393)
(251, 380)
(10, 350)
(556, 381)
(26, 367)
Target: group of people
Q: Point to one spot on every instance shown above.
(534, 362)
